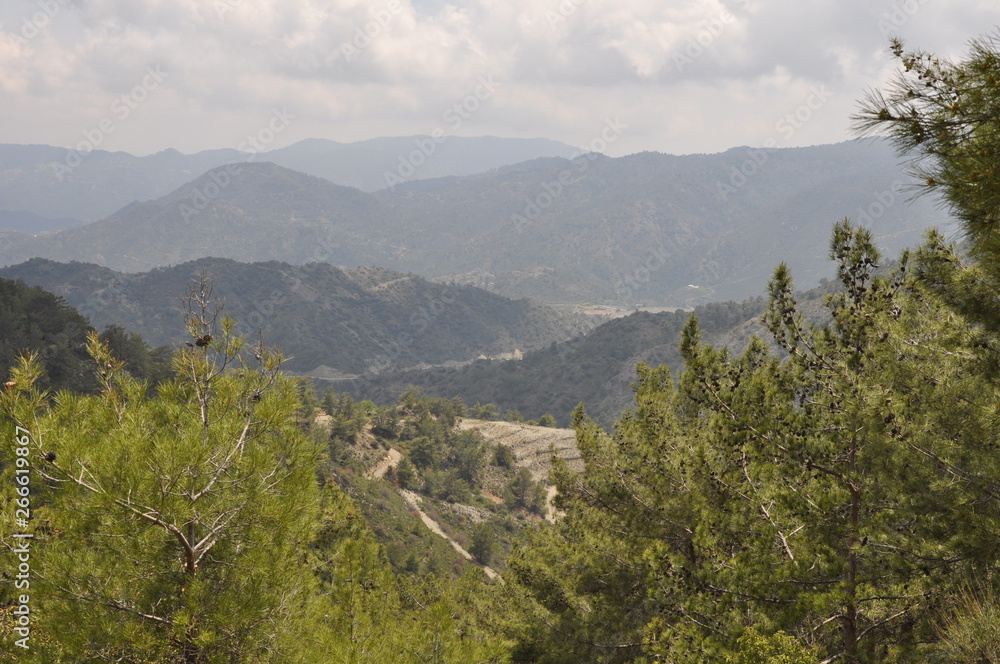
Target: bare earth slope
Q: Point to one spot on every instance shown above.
(530, 444)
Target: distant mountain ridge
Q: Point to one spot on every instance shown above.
(647, 229)
(364, 321)
(61, 186)
(31, 223)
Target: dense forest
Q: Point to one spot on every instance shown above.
(39, 322)
(357, 322)
(828, 494)
(597, 368)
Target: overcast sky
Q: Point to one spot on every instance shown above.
(677, 76)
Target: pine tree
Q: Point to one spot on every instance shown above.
(856, 454)
(944, 117)
(170, 528)
(840, 491)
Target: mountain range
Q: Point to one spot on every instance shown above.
(327, 322)
(59, 188)
(645, 230)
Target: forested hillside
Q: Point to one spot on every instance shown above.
(825, 492)
(597, 368)
(363, 321)
(36, 321)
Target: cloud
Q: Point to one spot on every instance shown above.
(696, 75)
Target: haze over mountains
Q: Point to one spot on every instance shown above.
(647, 229)
(65, 188)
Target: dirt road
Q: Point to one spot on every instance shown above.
(415, 502)
(390, 461)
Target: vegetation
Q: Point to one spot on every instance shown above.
(170, 521)
(830, 494)
(842, 491)
(843, 494)
(549, 383)
(198, 525)
(361, 322)
(36, 321)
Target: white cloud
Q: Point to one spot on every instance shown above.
(694, 76)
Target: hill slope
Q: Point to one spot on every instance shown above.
(38, 322)
(596, 369)
(648, 229)
(365, 320)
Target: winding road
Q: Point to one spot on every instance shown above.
(414, 502)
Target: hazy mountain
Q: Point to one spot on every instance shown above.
(644, 229)
(364, 164)
(62, 186)
(29, 222)
(11, 238)
(57, 183)
(364, 320)
(262, 211)
(657, 229)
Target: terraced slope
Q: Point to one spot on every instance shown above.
(530, 444)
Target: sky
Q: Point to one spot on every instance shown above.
(617, 76)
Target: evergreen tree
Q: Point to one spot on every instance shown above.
(484, 411)
(483, 542)
(170, 528)
(141, 362)
(972, 632)
(945, 117)
(840, 492)
(37, 321)
(838, 446)
(365, 615)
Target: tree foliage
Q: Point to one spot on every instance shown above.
(172, 523)
(839, 491)
(945, 117)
